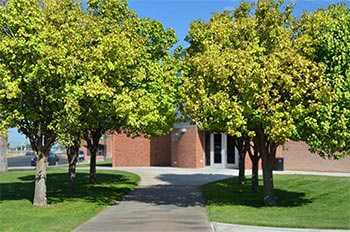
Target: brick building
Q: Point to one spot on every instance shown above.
(189, 147)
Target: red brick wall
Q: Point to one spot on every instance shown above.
(187, 148)
(141, 151)
(109, 145)
(248, 162)
(298, 157)
(161, 151)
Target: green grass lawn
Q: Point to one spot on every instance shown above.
(303, 202)
(65, 212)
(99, 163)
(105, 163)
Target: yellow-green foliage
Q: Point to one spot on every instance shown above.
(127, 77)
(326, 35)
(245, 72)
(34, 60)
(71, 70)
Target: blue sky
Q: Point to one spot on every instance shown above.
(178, 14)
(15, 138)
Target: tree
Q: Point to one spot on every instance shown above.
(3, 153)
(246, 145)
(126, 81)
(33, 66)
(326, 36)
(242, 145)
(71, 136)
(3, 131)
(254, 157)
(245, 75)
(73, 156)
(77, 85)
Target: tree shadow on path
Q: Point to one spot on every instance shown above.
(185, 190)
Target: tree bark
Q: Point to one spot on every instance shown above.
(3, 153)
(267, 150)
(255, 175)
(241, 163)
(93, 166)
(241, 160)
(41, 140)
(269, 193)
(268, 158)
(72, 159)
(40, 180)
(92, 139)
(254, 157)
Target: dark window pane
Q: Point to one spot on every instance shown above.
(230, 150)
(217, 148)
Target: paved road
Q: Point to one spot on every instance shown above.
(24, 161)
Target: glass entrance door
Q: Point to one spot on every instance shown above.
(231, 158)
(223, 153)
(217, 149)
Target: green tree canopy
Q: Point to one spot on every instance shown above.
(245, 74)
(34, 62)
(326, 37)
(125, 79)
(70, 73)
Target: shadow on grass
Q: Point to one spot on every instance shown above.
(104, 164)
(109, 188)
(229, 192)
(183, 191)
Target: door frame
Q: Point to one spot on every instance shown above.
(223, 163)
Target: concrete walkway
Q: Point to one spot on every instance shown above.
(169, 200)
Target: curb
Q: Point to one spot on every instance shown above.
(14, 156)
(224, 227)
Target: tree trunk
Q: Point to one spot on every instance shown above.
(40, 180)
(269, 193)
(254, 157)
(3, 153)
(267, 164)
(72, 159)
(41, 144)
(239, 143)
(267, 150)
(93, 166)
(92, 139)
(241, 163)
(255, 175)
